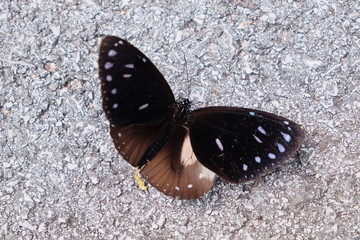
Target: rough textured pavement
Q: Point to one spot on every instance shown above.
(61, 177)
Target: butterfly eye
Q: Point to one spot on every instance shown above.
(180, 152)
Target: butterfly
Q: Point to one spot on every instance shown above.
(178, 151)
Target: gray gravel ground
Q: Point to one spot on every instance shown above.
(61, 177)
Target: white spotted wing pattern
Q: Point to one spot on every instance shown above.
(179, 151)
(244, 142)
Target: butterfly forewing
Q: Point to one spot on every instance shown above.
(133, 90)
(238, 144)
(136, 98)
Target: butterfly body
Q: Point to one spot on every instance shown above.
(180, 151)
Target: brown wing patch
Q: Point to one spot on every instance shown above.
(175, 170)
(132, 141)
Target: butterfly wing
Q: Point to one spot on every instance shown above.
(136, 98)
(239, 144)
(176, 171)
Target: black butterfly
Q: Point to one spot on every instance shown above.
(179, 151)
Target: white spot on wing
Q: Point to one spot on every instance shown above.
(219, 144)
(189, 185)
(144, 59)
(261, 130)
(127, 75)
(252, 113)
(281, 147)
(129, 65)
(112, 53)
(286, 122)
(119, 134)
(142, 107)
(115, 105)
(121, 42)
(257, 139)
(177, 188)
(109, 78)
(271, 156)
(286, 136)
(245, 167)
(113, 91)
(257, 159)
(108, 65)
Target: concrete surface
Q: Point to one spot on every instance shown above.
(61, 177)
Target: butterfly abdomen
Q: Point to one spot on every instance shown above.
(154, 148)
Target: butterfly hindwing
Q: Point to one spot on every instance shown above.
(133, 141)
(238, 144)
(176, 171)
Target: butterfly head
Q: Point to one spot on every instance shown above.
(181, 110)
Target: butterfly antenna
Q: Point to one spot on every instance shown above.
(187, 78)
